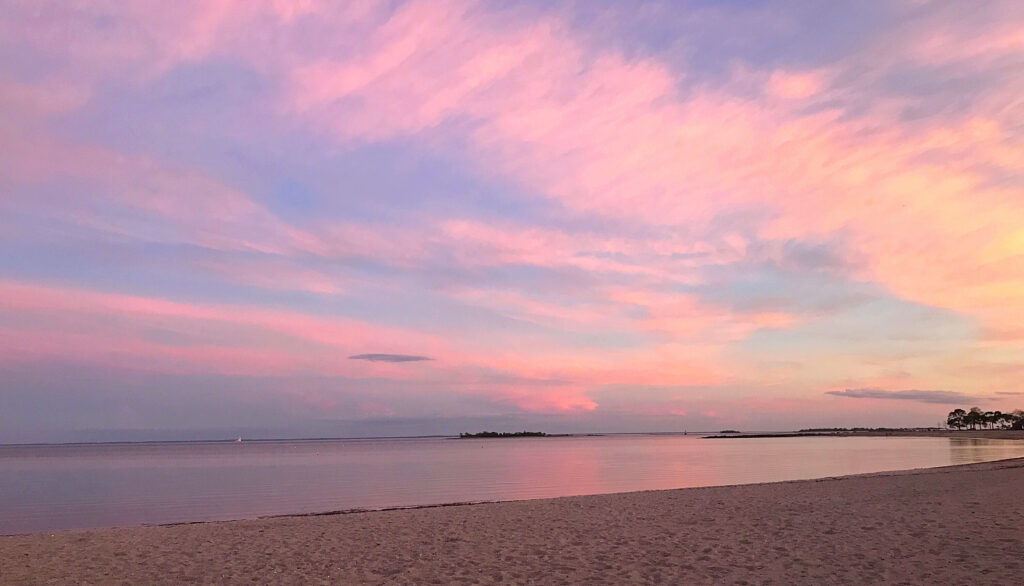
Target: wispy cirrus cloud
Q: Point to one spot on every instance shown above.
(667, 198)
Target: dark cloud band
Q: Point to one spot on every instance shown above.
(936, 397)
(389, 357)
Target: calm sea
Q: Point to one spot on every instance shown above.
(46, 488)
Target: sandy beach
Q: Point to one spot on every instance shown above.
(952, 525)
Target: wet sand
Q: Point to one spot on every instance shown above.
(952, 525)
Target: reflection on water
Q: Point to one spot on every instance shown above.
(971, 450)
(59, 487)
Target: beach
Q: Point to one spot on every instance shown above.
(951, 525)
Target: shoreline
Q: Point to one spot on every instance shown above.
(981, 433)
(880, 526)
(360, 511)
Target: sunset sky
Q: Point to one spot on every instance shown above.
(306, 218)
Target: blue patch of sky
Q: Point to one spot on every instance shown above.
(390, 182)
(705, 39)
(886, 327)
(188, 113)
(28, 66)
(939, 91)
(216, 117)
(155, 270)
(767, 287)
(71, 397)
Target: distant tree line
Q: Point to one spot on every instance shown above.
(978, 419)
(502, 434)
(860, 429)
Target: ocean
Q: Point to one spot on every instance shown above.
(54, 487)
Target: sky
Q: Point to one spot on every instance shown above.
(307, 218)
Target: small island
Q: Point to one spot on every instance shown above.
(502, 434)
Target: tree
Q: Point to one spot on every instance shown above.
(1006, 420)
(956, 418)
(974, 418)
(1018, 420)
(990, 417)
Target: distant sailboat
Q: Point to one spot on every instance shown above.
(239, 440)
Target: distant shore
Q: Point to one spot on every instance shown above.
(977, 433)
(938, 525)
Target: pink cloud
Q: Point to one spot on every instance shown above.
(114, 330)
(686, 317)
(794, 86)
(599, 132)
(613, 136)
(261, 338)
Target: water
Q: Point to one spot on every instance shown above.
(46, 488)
